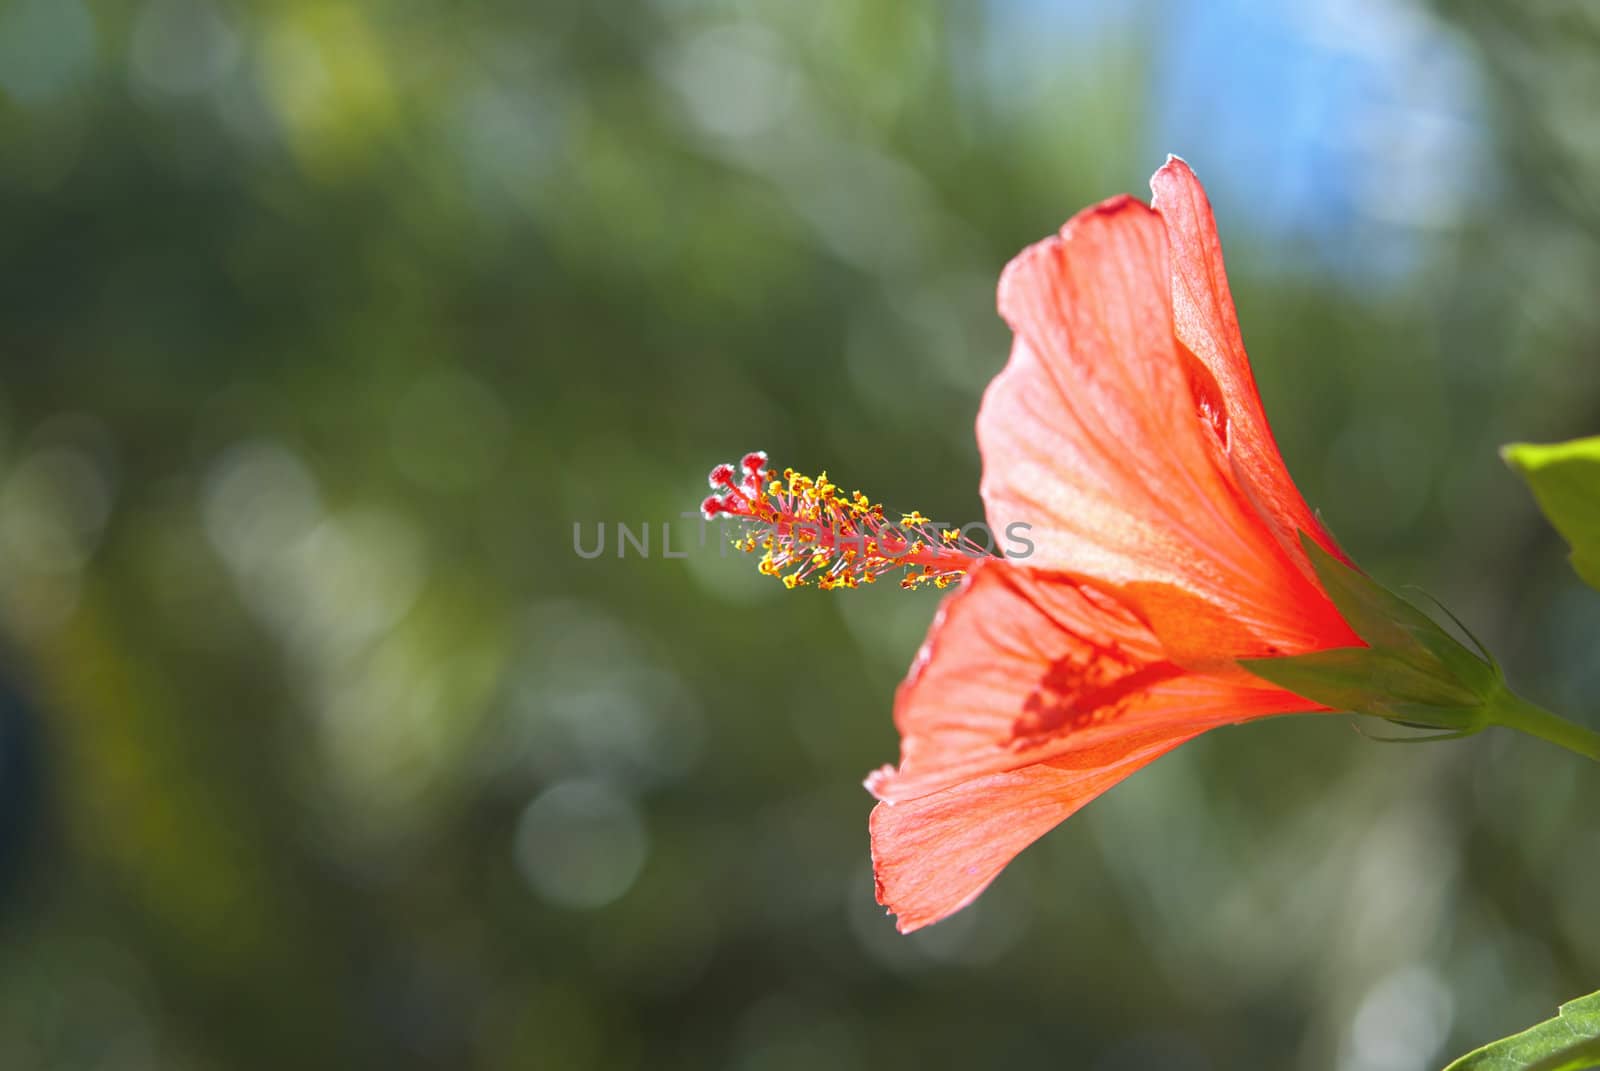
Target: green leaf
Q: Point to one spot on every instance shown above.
(1565, 478)
(1569, 1042)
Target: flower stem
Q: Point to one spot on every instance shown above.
(1515, 712)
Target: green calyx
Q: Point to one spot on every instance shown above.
(1412, 672)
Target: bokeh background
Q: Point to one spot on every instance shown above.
(323, 324)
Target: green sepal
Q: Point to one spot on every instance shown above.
(1412, 672)
(1362, 679)
(1565, 480)
(1569, 1042)
(1391, 624)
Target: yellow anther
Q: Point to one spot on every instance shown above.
(809, 532)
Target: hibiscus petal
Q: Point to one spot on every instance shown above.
(1108, 438)
(1206, 323)
(1083, 430)
(932, 856)
(1022, 667)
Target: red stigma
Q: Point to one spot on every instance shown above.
(754, 461)
(721, 477)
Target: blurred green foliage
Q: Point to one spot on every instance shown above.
(324, 323)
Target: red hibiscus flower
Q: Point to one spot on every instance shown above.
(1127, 431)
(1170, 546)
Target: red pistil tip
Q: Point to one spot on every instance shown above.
(811, 533)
